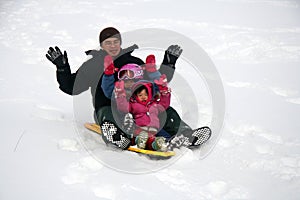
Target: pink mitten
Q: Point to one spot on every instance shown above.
(150, 65)
(162, 84)
(120, 89)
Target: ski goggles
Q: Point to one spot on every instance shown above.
(125, 74)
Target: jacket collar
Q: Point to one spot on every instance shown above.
(95, 52)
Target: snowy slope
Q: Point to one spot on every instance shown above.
(255, 45)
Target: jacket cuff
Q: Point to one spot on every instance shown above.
(63, 69)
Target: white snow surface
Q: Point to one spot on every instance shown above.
(45, 153)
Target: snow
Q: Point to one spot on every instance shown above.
(255, 46)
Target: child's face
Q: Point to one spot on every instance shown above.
(128, 83)
(143, 96)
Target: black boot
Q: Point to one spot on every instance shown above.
(201, 135)
(190, 138)
(111, 134)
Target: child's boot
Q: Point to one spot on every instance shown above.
(141, 140)
(159, 144)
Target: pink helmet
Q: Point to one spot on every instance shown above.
(130, 71)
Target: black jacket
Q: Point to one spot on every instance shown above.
(90, 73)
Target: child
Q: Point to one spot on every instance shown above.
(146, 101)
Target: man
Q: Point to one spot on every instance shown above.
(90, 74)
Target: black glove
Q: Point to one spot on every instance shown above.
(171, 55)
(57, 58)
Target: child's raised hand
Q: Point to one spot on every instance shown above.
(120, 89)
(150, 65)
(162, 84)
(162, 80)
(109, 68)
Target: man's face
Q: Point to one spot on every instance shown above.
(112, 46)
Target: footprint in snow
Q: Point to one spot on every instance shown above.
(48, 113)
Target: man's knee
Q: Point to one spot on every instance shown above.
(104, 114)
(174, 123)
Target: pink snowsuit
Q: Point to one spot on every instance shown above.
(145, 113)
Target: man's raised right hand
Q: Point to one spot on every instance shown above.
(57, 58)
